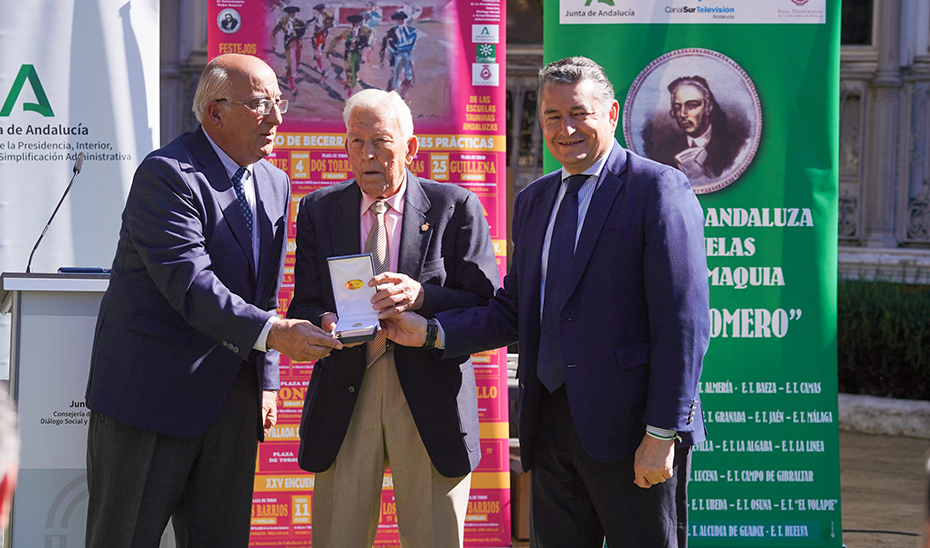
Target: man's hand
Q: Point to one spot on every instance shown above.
(406, 329)
(396, 293)
(301, 341)
(653, 461)
(329, 322)
(269, 410)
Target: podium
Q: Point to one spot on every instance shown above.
(53, 320)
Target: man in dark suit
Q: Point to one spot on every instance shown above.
(229, 23)
(184, 366)
(607, 293)
(706, 146)
(376, 405)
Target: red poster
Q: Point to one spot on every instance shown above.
(453, 79)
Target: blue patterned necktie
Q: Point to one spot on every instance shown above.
(240, 175)
(549, 367)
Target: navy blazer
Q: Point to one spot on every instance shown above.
(445, 245)
(186, 299)
(636, 321)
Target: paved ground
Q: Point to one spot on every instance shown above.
(883, 490)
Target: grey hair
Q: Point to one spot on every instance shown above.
(213, 85)
(379, 100)
(572, 70)
(9, 436)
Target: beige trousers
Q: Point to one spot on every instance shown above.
(430, 507)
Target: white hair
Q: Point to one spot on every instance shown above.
(213, 85)
(380, 101)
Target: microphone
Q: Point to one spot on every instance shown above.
(78, 164)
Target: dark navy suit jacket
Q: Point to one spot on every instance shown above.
(186, 299)
(445, 244)
(635, 325)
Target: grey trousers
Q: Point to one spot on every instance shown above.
(138, 479)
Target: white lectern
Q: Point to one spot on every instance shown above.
(53, 319)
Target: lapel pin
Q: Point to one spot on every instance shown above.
(424, 227)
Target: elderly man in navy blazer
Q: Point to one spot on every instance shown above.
(608, 296)
(376, 405)
(184, 367)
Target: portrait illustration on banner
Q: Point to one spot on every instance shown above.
(696, 110)
(229, 21)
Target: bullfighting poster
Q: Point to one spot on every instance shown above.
(446, 59)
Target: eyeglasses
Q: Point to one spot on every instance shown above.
(262, 107)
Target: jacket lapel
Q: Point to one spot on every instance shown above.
(414, 240)
(226, 198)
(535, 229)
(344, 222)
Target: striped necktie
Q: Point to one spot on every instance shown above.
(377, 245)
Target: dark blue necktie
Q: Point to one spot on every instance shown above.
(241, 174)
(549, 367)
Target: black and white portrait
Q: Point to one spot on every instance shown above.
(228, 20)
(696, 110)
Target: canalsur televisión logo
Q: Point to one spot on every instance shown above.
(717, 12)
(27, 73)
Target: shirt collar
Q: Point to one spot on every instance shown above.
(702, 140)
(228, 163)
(596, 167)
(396, 202)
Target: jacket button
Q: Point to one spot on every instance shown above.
(351, 390)
(569, 319)
(690, 421)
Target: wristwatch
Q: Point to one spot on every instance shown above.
(432, 333)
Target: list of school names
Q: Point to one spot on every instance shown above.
(770, 419)
(758, 462)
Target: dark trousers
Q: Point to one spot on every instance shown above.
(577, 501)
(138, 479)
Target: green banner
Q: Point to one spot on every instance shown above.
(743, 96)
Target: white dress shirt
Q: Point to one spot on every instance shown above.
(248, 186)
